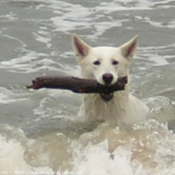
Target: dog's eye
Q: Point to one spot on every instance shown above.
(114, 62)
(97, 63)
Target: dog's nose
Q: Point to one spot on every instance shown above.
(107, 78)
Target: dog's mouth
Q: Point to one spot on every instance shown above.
(107, 96)
(107, 91)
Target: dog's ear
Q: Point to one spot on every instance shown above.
(81, 49)
(128, 49)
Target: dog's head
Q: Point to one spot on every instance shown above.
(105, 64)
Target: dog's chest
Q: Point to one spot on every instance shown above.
(95, 108)
(122, 109)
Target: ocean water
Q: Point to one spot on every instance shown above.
(37, 135)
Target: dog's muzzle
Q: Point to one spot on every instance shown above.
(107, 79)
(108, 88)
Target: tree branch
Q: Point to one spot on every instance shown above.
(77, 85)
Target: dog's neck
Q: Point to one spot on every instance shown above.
(97, 109)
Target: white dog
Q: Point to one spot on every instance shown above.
(106, 65)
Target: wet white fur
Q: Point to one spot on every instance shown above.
(124, 108)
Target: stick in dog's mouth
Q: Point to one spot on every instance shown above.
(79, 85)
